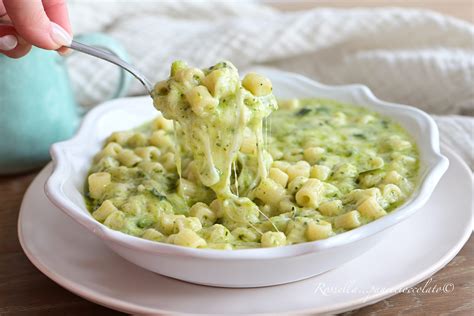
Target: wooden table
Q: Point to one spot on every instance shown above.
(25, 290)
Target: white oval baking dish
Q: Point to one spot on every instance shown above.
(247, 267)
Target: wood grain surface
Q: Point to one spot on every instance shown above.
(26, 291)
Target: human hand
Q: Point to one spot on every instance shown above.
(42, 23)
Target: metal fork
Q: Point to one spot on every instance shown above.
(108, 56)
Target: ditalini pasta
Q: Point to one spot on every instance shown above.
(222, 168)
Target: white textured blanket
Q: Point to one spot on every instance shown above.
(408, 56)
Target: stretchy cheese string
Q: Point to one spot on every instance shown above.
(204, 136)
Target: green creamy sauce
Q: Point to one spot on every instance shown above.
(222, 169)
(348, 138)
(349, 135)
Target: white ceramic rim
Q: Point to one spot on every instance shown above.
(61, 173)
(120, 305)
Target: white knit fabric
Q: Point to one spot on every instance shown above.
(408, 56)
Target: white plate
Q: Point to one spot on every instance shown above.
(242, 267)
(411, 252)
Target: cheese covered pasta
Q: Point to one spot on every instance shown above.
(222, 168)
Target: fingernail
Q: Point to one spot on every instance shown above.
(8, 42)
(60, 36)
(63, 51)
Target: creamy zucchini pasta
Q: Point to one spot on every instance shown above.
(222, 168)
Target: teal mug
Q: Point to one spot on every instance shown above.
(37, 105)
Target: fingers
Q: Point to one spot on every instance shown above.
(57, 12)
(2, 9)
(31, 22)
(11, 44)
(42, 23)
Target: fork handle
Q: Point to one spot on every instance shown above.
(112, 58)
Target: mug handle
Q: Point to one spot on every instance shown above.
(108, 43)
